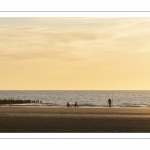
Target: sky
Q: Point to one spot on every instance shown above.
(74, 53)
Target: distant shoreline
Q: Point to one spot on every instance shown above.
(90, 98)
(59, 106)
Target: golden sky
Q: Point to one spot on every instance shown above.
(75, 53)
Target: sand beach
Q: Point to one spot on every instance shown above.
(74, 120)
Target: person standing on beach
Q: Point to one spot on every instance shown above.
(109, 102)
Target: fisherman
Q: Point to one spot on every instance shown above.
(109, 102)
(76, 105)
(68, 105)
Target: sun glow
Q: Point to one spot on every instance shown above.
(74, 53)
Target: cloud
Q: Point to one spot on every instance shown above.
(72, 39)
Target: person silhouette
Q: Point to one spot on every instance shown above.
(109, 102)
(68, 105)
(76, 105)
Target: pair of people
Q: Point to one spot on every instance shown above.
(75, 105)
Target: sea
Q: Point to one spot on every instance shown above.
(93, 98)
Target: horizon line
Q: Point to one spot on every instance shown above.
(68, 90)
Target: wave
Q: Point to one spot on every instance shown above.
(82, 105)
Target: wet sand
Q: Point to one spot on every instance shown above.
(74, 120)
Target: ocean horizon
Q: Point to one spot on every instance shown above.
(98, 98)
